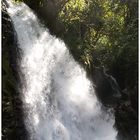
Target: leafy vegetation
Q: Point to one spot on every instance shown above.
(98, 30)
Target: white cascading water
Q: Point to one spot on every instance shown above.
(59, 101)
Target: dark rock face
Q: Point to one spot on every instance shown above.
(124, 102)
(47, 11)
(12, 117)
(126, 122)
(108, 90)
(126, 114)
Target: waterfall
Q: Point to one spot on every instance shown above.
(59, 100)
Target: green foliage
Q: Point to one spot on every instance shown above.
(73, 11)
(92, 26)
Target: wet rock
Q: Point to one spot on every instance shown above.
(107, 88)
(126, 114)
(124, 102)
(12, 116)
(126, 122)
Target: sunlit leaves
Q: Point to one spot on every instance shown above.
(73, 11)
(103, 21)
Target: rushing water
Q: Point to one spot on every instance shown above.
(59, 101)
